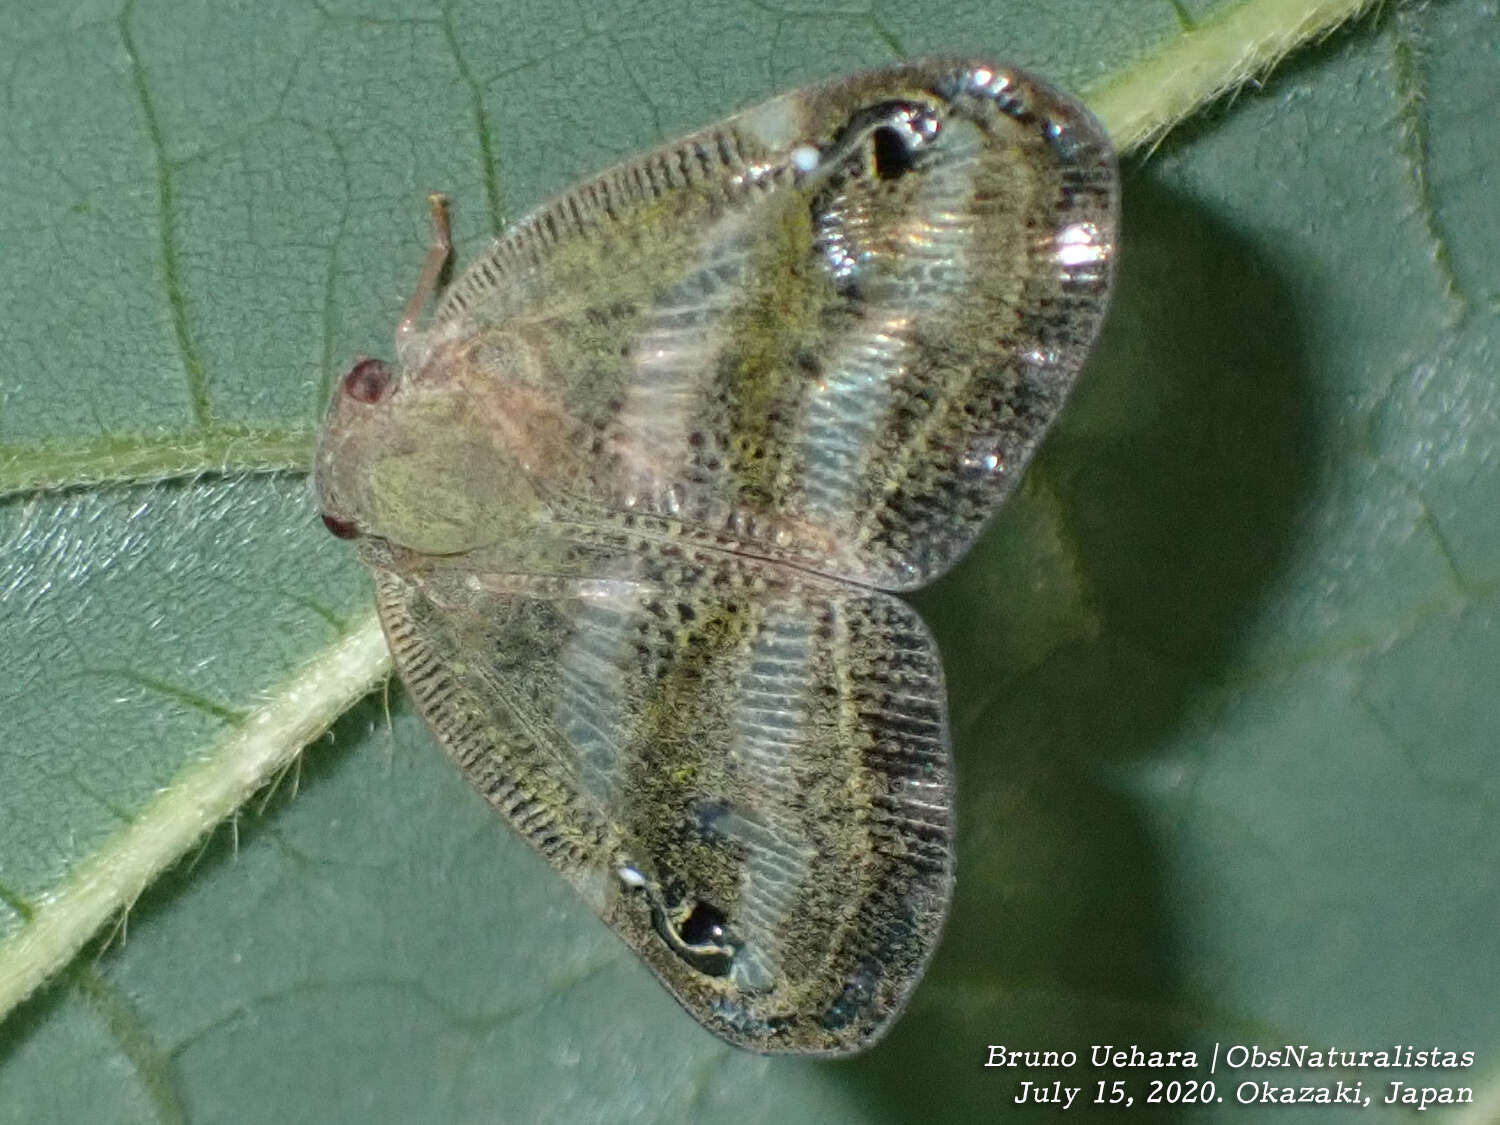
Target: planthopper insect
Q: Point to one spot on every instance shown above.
(639, 493)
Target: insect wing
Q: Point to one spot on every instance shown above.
(745, 773)
(830, 330)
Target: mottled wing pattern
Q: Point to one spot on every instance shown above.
(743, 769)
(635, 495)
(830, 330)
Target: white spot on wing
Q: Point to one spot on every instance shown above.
(804, 158)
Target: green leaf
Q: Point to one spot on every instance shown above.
(1222, 676)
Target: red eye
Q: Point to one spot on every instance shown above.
(342, 528)
(369, 381)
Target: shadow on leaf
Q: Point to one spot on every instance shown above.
(1079, 637)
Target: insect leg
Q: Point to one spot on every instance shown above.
(432, 268)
